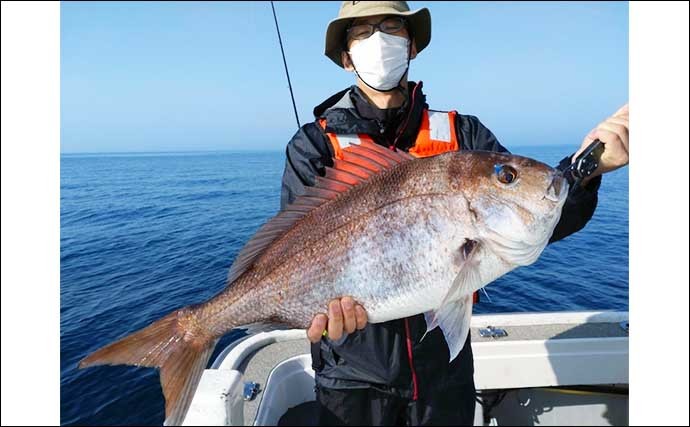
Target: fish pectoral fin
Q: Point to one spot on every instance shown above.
(454, 320)
(466, 282)
(431, 322)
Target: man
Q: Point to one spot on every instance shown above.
(375, 374)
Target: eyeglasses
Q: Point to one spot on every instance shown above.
(389, 25)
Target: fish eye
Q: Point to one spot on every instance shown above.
(505, 174)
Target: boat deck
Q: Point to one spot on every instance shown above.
(583, 328)
(258, 366)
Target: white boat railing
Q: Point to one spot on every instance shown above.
(514, 362)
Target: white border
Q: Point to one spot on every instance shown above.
(658, 213)
(30, 213)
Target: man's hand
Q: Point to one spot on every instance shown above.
(613, 133)
(344, 315)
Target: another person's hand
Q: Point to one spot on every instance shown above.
(613, 132)
(344, 316)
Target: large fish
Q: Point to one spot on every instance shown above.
(401, 236)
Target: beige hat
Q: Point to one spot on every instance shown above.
(419, 20)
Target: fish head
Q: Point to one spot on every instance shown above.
(514, 202)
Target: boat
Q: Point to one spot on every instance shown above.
(555, 368)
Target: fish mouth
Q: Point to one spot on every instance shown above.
(557, 190)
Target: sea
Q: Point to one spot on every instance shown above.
(144, 234)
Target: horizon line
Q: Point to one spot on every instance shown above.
(241, 150)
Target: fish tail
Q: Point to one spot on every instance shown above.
(175, 344)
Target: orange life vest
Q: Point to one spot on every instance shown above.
(436, 135)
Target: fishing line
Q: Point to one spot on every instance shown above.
(287, 73)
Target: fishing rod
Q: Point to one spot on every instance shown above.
(586, 163)
(287, 73)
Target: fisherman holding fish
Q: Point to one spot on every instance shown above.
(392, 216)
(383, 373)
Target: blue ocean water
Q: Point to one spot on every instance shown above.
(144, 234)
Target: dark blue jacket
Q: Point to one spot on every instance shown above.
(377, 356)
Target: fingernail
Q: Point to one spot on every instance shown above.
(347, 304)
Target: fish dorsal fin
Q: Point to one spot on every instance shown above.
(359, 163)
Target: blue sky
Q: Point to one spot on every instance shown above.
(188, 76)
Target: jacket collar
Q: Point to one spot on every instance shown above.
(343, 117)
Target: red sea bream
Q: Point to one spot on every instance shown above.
(402, 236)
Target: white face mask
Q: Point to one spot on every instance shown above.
(381, 60)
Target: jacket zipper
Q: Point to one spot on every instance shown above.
(415, 391)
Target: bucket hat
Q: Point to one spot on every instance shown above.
(419, 23)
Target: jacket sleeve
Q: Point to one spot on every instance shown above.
(581, 202)
(475, 136)
(306, 155)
